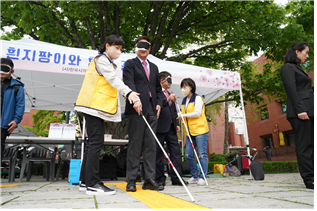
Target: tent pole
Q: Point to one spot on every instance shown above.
(246, 138)
(182, 137)
(82, 144)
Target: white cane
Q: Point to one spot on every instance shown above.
(201, 169)
(158, 142)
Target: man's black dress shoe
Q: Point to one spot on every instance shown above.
(161, 183)
(131, 186)
(177, 182)
(309, 185)
(150, 184)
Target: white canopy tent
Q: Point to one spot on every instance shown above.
(53, 75)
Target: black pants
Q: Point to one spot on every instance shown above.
(304, 143)
(4, 135)
(174, 154)
(89, 173)
(141, 142)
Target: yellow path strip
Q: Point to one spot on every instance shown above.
(157, 200)
(4, 186)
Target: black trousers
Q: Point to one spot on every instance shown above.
(174, 154)
(141, 142)
(304, 143)
(89, 173)
(4, 135)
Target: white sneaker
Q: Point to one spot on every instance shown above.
(99, 189)
(201, 182)
(82, 187)
(193, 180)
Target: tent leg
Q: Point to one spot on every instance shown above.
(245, 128)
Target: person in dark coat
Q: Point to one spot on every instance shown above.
(300, 108)
(268, 153)
(141, 75)
(167, 129)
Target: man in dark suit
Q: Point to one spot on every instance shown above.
(167, 129)
(142, 75)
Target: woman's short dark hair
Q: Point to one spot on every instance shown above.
(291, 56)
(190, 82)
(111, 40)
(142, 38)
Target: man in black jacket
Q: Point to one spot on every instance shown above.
(167, 129)
(268, 153)
(142, 76)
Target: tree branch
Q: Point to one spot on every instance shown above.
(56, 19)
(75, 32)
(90, 33)
(117, 19)
(219, 101)
(156, 11)
(157, 43)
(107, 21)
(101, 23)
(64, 41)
(218, 45)
(183, 10)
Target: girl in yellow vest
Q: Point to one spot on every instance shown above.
(193, 111)
(98, 101)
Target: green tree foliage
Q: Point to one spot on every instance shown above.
(42, 119)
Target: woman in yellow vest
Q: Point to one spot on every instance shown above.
(98, 101)
(193, 111)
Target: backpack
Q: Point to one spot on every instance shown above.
(16, 89)
(231, 170)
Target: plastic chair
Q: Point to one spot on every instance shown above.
(10, 156)
(46, 157)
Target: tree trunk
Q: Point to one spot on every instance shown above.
(226, 141)
(118, 130)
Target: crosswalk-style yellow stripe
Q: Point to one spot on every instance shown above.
(13, 185)
(157, 200)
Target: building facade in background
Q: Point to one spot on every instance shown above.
(271, 128)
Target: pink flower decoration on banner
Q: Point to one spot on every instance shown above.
(203, 78)
(200, 70)
(209, 72)
(226, 79)
(225, 73)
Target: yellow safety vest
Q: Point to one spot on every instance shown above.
(196, 126)
(96, 92)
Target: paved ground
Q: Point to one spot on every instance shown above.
(277, 191)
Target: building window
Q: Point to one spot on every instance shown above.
(284, 107)
(291, 140)
(263, 112)
(268, 142)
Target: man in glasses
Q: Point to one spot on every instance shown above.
(167, 129)
(142, 76)
(12, 101)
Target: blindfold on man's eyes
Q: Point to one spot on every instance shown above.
(143, 46)
(169, 80)
(5, 69)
